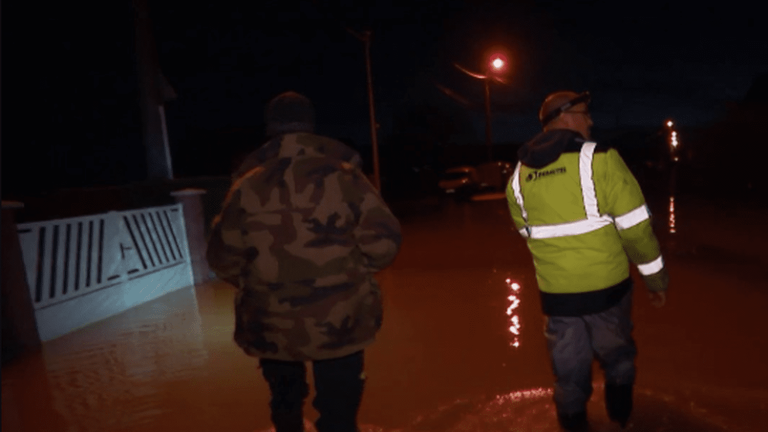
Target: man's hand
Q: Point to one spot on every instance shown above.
(658, 298)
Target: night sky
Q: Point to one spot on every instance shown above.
(70, 88)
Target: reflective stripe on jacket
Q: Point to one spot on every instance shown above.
(584, 216)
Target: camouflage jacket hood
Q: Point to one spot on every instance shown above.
(271, 150)
(301, 235)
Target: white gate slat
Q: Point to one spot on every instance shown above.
(70, 251)
(91, 245)
(84, 269)
(81, 249)
(131, 261)
(148, 243)
(113, 270)
(98, 246)
(87, 256)
(140, 241)
(134, 244)
(86, 243)
(164, 230)
(146, 218)
(158, 237)
(27, 236)
(58, 246)
(176, 223)
(43, 277)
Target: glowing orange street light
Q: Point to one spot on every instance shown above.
(498, 63)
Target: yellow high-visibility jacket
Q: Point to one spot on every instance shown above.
(584, 217)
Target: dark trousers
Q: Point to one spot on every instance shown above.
(574, 342)
(338, 385)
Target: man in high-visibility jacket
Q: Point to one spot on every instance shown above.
(584, 217)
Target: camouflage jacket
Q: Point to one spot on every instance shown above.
(301, 235)
(271, 149)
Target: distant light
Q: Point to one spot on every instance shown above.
(497, 63)
(669, 123)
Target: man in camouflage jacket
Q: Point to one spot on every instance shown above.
(301, 233)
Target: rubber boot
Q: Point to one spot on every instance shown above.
(288, 421)
(618, 402)
(576, 422)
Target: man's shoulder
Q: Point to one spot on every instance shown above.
(265, 152)
(328, 146)
(602, 147)
(248, 176)
(576, 144)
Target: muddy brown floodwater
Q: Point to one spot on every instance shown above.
(461, 348)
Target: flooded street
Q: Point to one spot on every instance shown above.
(461, 349)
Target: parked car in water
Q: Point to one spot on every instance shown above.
(461, 181)
(466, 181)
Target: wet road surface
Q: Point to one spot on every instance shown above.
(461, 348)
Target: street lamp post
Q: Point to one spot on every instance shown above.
(496, 65)
(365, 37)
(372, 113)
(488, 134)
(155, 92)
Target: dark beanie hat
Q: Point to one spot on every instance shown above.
(290, 112)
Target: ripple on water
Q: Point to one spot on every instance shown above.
(112, 375)
(532, 410)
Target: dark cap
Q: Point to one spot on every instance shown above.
(559, 102)
(289, 112)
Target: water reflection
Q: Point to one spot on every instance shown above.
(533, 410)
(536, 393)
(227, 392)
(672, 229)
(113, 375)
(514, 319)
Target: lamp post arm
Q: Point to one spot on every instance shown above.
(374, 132)
(472, 74)
(363, 37)
(488, 134)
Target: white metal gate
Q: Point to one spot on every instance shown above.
(81, 270)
